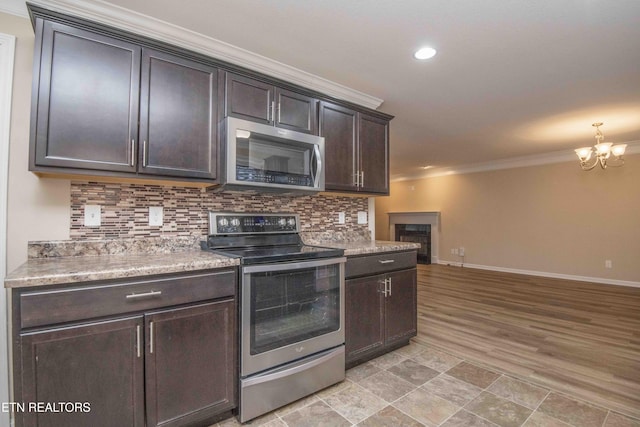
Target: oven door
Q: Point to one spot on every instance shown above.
(290, 310)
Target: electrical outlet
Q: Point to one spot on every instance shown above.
(454, 251)
(362, 217)
(608, 264)
(155, 216)
(92, 216)
(341, 218)
(461, 251)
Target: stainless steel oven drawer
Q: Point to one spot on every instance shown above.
(272, 389)
(379, 263)
(68, 304)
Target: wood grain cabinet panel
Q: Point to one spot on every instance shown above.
(98, 363)
(356, 150)
(380, 308)
(85, 103)
(104, 104)
(178, 125)
(190, 363)
(159, 361)
(261, 102)
(373, 137)
(364, 323)
(339, 127)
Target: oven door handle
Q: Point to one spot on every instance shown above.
(286, 266)
(303, 365)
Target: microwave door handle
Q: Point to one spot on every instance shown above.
(316, 156)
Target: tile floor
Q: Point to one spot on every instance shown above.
(424, 386)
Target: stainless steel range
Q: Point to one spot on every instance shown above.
(291, 309)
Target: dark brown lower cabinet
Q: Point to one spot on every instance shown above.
(162, 353)
(381, 314)
(99, 364)
(190, 364)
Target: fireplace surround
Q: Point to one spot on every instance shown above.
(414, 219)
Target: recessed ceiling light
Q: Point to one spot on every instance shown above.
(425, 53)
(426, 167)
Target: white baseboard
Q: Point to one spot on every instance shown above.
(545, 274)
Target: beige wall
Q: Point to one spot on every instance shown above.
(550, 219)
(38, 209)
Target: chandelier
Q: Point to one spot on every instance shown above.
(601, 153)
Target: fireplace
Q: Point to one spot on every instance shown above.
(416, 233)
(414, 225)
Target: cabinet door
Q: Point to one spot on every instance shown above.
(178, 116)
(401, 305)
(86, 91)
(338, 125)
(190, 363)
(297, 112)
(364, 325)
(373, 140)
(98, 363)
(249, 99)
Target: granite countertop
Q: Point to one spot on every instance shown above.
(365, 247)
(58, 270)
(66, 262)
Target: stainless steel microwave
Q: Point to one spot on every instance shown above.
(262, 157)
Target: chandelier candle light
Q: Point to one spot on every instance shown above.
(601, 152)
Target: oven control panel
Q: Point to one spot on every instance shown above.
(232, 223)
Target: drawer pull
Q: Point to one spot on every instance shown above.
(144, 295)
(386, 261)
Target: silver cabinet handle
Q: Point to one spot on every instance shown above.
(383, 282)
(386, 261)
(144, 295)
(389, 291)
(273, 112)
(145, 148)
(133, 153)
(138, 339)
(279, 112)
(151, 337)
(357, 176)
(362, 179)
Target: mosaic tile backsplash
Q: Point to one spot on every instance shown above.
(125, 210)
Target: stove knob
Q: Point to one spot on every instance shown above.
(235, 222)
(291, 221)
(282, 222)
(223, 222)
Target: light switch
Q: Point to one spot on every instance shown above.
(155, 216)
(92, 215)
(362, 217)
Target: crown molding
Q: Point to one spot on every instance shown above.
(633, 147)
(12, 8)
(125, 19)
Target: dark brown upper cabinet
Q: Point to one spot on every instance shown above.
(356, 150)
(104, 104)
(85, 100)
(178, 110)
(261, 102)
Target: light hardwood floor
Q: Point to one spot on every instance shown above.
(577, 337)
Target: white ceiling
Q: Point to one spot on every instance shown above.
(512, 79)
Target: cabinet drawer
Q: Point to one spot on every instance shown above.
(375, 264)
(70, 304)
